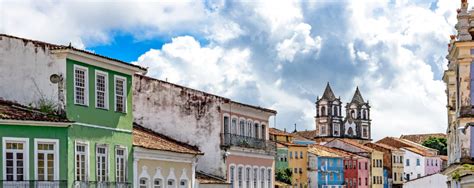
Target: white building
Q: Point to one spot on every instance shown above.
(413, 166)
(434, 181)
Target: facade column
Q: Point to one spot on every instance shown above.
(193, 173)
(135, 172)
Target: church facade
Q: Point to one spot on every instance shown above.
(331, 123)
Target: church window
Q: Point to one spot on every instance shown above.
(334, 111)
(336, 129)
(350, 132)
(323, 111)
(323, 129)
(365, 132)
(353, 115)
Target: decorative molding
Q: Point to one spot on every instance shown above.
(143, 153)
(102, 127)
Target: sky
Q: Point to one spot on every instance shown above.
(274, 54)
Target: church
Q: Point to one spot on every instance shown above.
(331, 123)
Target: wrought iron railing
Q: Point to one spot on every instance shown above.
(33, 184)
(101, 184)
(248, 142)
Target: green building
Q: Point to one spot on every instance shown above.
(281, 158)
(77, 132)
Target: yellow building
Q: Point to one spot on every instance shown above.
(160, 160)
(298, 163)
(280, 136)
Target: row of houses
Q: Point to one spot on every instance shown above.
(73, 118)
(349, 163)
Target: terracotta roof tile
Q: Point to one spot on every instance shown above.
(149, 139)
(409, 145)
(322, 151)
(278, 132)
(356, 144)
(13, 111)
(420, 138)
(204, 178)
(306, 134)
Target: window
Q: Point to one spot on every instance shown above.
(143, 183)
(395, 176)
(296, 155)
(263, 132)
(120, 94)
(323, 130)
(256, 130)
(323, 111)
(417, 162)
(249, 128)
(171, 183)
(80, 85)
(365, 131)
(295, 171)
(102, 163)
(183, 184)
(247, 177)
(255, 175)
(366, 180)
(301, 154)
(366, 165)
(262, 178)
(242, 128)
(15, 152)
(360, 182)
(226, 125)
(359, 168)
(269, 178)
(47, 165)
(82, 161)
(157, 183)
(239, 177)
(291, 155)
(232, 171)
(121, 164)
(101, 88)
(336, 129)
(407, 162)
(234, 126)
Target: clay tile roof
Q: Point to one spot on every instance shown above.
(13, 111)
(328, 94)
(291, 144)
(347, 153)
(357, 98)
(278, 132)
(322, 151)
(356, 144)
(444, 157)
(204, 178)
(420, 138)
(60, 47)
(306, 134)
(383, 146)
(149, 139)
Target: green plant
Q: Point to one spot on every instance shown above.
(437, 143)
(284, 175)
(46, 106)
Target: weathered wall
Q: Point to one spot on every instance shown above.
(25, 71)
(187, 115)
(435, 180)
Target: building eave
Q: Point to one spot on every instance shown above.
(34, 123)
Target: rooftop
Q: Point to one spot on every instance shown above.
(204, 178)
(322, 151)
(420, 138)
(51, 46)
(146, 138)
(13, 111)
(306, 134)
(278, 132)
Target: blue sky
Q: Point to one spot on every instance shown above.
(276, 54)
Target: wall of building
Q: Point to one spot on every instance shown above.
(432, 165)
(158, 105)
(376, 171)
(298, 163)
(435, 180)
(25, 71)
(412, 169)
(397, 167)
(363, 173)
(332, 171)
(281, 159)
(312, 170)
(164, 170)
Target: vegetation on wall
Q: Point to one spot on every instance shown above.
(284, 175)
(437, 143)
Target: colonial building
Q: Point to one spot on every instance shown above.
(91, 91)
(298, 164)
(459, 79)
(161, 161)
(330, 123)
(233, 136)
(392, 163)
(326, 168)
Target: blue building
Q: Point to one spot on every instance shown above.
(385, 179)
(329, 168)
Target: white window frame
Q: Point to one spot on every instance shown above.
(321, 130)
(26, 157)
(86, 84)
(255, 178)
(56, 155)
(338, 129)
(116, 77)
(232, 172)
(158, 176)
(184, 177)
(240, 181)
(107, 162)
(125, 165)
(87, 153)
(269, 178)
(106, 92)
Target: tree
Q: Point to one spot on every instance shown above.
(284, 175)
(437, 143)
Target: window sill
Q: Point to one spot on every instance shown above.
(82, 105)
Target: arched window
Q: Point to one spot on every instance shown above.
(323, 111)
(234, 126)
(249, 128)
(262, 178)
(242, 128)
(353, 115)
(269, 178)
(143, 182)
(232, 176)
(256, 130)
(158, 183)
(264, 134)
(247, 177)
(183, 183)
(171, 183)
(239, 177)
(334, 111)
(255, 177)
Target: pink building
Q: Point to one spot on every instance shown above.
(363, 172)
(433, 165)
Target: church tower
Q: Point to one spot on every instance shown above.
(328, 115)
(357, 121)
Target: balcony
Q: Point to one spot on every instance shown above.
(32, 183)
(248, 142)
(96, 184)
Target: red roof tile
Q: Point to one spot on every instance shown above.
(278, 132)
(420, 138)
(149, 139)
(13, 111)
(204, 178)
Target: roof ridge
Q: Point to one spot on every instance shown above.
(328, 93)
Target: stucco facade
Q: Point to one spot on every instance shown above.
(298, 163)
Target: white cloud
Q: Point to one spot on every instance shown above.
(300, 42)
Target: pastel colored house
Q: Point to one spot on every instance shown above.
(281, 158)
(330, 168)
(356, 169)
(298, 163)
(162, 161)
(91, 91)
(280, 136)
(375, 156)
(233, 136)
(392, 162)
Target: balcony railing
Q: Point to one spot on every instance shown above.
(248, 142)
(33, 184)
(97, 184)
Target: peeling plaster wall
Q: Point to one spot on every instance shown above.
(25, 68)
(187, 115)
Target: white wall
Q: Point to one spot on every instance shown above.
(313, 173)
(434, 181)
(183, 114)
(25, 69)
(413, 170)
